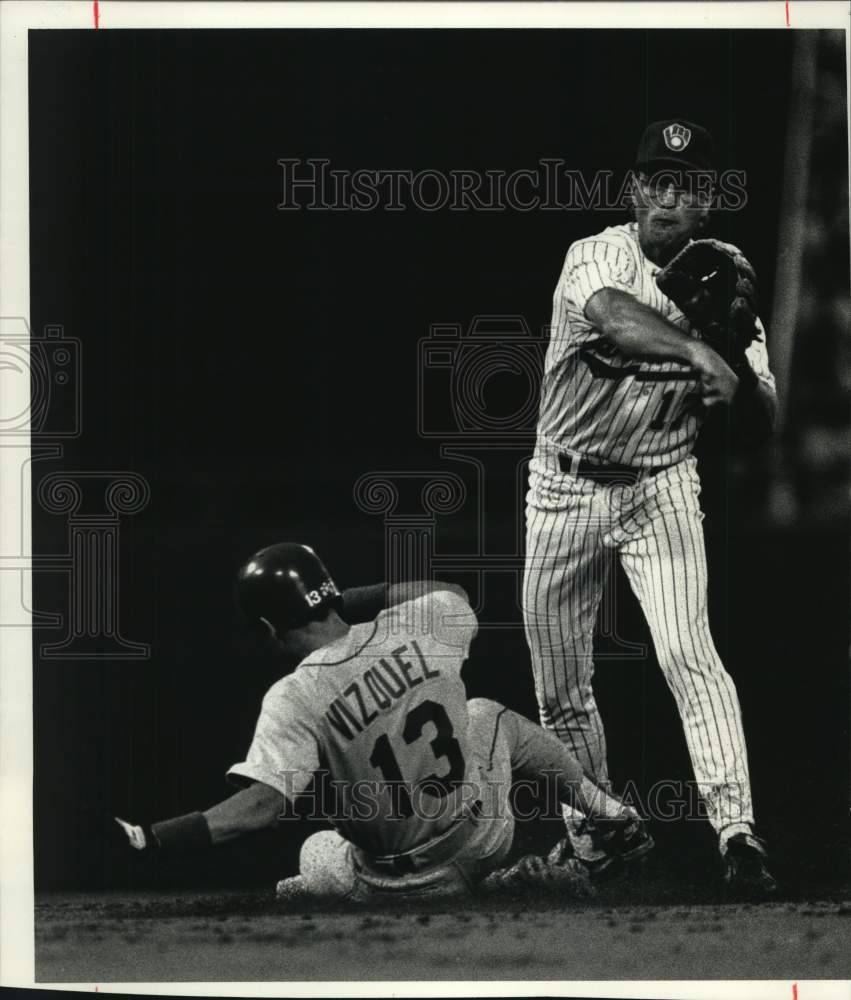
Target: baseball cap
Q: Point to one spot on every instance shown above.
(674, 142)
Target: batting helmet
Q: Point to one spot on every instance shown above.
(286, 586)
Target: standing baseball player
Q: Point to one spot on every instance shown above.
(630, 374)
(421, 775)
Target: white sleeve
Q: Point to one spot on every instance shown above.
(441, 614)
(590, 266)
(455, 621)
(284, 752)
(594, 264)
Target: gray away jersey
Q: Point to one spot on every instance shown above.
(384, 711)
(595, 401)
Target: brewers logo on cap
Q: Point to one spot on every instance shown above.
(677, 137)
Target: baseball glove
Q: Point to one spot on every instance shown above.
(714, 286)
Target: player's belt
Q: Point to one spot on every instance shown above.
(605, 474)
(444, 846)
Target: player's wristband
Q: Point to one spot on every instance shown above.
(182, 834)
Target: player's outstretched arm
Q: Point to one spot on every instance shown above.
(640, 332)
(362, 604)
(249, 810)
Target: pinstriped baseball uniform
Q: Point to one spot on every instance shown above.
(598, 404)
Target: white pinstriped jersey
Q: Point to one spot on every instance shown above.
(595, 401)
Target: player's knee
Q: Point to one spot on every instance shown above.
(697, 659)
(316, 851)
(479, 708)
(325, 864)
(676, 654)
(486, 726)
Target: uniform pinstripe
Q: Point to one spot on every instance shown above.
(600, 405)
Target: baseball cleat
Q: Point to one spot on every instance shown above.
(562, 853)
(745, 873)
(617, 842)
(629, 840)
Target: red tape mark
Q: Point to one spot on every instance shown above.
(794, 985)
(96, 13)
(787, 25)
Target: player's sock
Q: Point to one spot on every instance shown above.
(732, 830)
(598, 803)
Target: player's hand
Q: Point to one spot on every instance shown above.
(135, 835)
(718, 381)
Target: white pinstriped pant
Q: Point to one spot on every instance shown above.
(572, 524)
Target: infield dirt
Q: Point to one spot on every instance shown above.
(192, 937)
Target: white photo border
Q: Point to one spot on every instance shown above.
(17, 17)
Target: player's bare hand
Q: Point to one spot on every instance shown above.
(135, 834)
(718, 381)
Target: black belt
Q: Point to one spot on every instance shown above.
(607, 474)
(440, 848)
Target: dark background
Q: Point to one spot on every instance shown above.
(251, 364)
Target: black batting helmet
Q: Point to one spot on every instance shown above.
(286, 585)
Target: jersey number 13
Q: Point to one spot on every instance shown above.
(443, 745)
